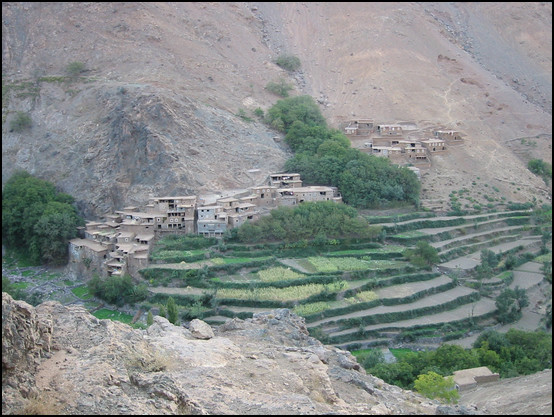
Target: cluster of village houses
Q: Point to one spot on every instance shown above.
(403, 144)
(121, 243)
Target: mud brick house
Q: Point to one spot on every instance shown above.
(469, 378)
(285, 180)
(434, 145)
(390, 130)
(122, 242)
(359, 127)
(450, 136)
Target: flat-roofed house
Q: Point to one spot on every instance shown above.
(87, 256)
(266, 195)
(212, 221)
(359, 127)
(292, 196)
(390, 130)
(285, 180)
(469, 378)
(450, 136)
(434, 145)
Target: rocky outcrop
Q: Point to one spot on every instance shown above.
(264, 365)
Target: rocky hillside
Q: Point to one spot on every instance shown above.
(62, 360)
(157, 109)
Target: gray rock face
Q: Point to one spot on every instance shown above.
(264, 365)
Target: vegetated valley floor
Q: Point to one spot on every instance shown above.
(408, 298)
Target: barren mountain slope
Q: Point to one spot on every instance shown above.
(156, 113)
(433, 64)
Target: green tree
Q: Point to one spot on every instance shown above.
(433, 385)
(423, 255)
(117, 290)
(289, 110)
(37, 220)
(541, 168)
(509, 304)
(449, 358)
(172, 311)
(149, 319)
(397, 373)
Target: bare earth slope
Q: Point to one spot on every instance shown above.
(436, 64)
(155, 112)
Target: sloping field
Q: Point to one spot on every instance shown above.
(362, 305)
(444, 244)
(472, 260)
(476, 309)
(429, 301)
(405, 290)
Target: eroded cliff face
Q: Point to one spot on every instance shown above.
(61, 359)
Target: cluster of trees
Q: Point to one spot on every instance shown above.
(541, 168)
(510, 354)
(37, 220)
(118, 290)
(324, 219)
(324, 156)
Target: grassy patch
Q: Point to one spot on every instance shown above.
(105, 313)
(278, 273)
(82, 292)
(400, 353)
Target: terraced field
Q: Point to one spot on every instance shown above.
(362, 293)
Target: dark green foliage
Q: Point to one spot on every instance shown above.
(20, 122)
(172, 311)
(511, 354)
(397, 373)
(509, 304)
(324, 156)
(302, 108)
(37, 219)
(306, 221)
(288, 62)
(371, 358)
(541, 168)
(117, 290)
(423, 255)
(149, 319)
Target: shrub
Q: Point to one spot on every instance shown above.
(74, 68)
(20, 122)
(280, 87)
(288, 62)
